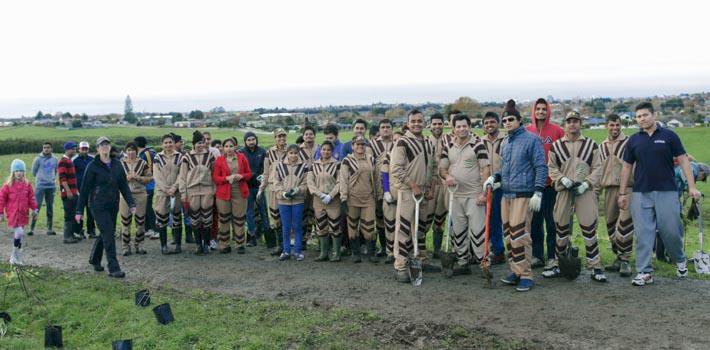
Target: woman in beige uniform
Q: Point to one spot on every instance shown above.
(197, 189)
(138, 174)
(323, 184)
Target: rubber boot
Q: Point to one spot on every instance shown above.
(337, 241)
(355, 248)
(68, 234)
(280, 242)
(206, 237)
(188, 234)
(438, 236)
(383, 243)
(269, 239)
(163, 232)
(177, 236)
(324, 248)
(371, 248)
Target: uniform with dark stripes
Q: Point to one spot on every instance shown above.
(619, 224)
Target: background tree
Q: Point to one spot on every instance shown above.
(464, 104)
(128, 114)
(197, 114)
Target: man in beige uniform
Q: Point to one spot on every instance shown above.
(493, 139)
(436, 209)
(575, 168)
(464, 164)
(274, 156)
(412, 171)
(385, 205)
(166, 167)
(618, 221)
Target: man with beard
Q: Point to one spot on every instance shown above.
(492, 140)
(436, 209)
(385, 205)
(255, 156)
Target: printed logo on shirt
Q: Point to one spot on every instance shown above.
(546, 140)
(659, 141)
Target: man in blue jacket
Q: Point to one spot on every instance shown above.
(522, 178)
(81, 162)
(255, 156)
(44, 169)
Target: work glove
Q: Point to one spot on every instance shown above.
(326, 199)
(260, 178)
(387, 197)
(492, 183)
(259, 194)
(286, 195)
(582, 188)
(293, 192)
(535, 202)
(567, 182)
(321, 195)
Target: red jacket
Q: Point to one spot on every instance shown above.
(221, 171)
(16, 201)
(548, 134)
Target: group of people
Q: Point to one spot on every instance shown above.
(353, 195)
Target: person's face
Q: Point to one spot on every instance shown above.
(281, 140)
(451, 120)
(309, 137)
(83, 150)
(228, 148)
(178, 145)
(219, 147)
(462, 129)
(169, 144)
(510, 122)
(131, 153)
(614, 129)
(46, 149)
(293, 156)
(490, 126)
(701, 176)
(359, 147)
(541, 111)
(251, 141)
(385, 130)
(199, 146)
(18, 175)
(208, 138)
(326, 152)
(331, 137)
(645, 118)
(359, 129)
(574, 126)
(104, 148)
(437, 127)
(415, 123)
(71, 152)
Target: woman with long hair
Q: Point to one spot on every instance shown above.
(290, 184)
(323, 185)
(231, 174)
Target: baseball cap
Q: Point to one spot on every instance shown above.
(102, 139)
(83, 144)
(279, 131)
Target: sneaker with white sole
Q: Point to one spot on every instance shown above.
(16, 257)
(552, 273)
(682, 270)
(642, 279)
(551, 264)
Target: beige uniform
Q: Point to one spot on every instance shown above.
(232, 212)
(578, 160)
(197, 187)
(465, 164)
(323, 179)
(139, 169)
(438, 207)
(358, 188)
(618, 221)
(165, 173)
(493, 149)
(308, 155)
(274, 157)
(412, 161)
(384, 212)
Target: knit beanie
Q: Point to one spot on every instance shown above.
(510, 109)
(17, 165)
(197, 137)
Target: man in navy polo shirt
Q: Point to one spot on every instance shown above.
(654, 202)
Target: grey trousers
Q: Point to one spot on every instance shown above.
(653, 211)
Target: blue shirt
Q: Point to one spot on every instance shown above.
(653, 155)
(336, 151)
(348, 149)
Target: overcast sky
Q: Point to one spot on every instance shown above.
(86, 56)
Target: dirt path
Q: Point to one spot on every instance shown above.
(581, 314)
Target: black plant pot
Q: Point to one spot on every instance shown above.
(53, 337)
(143, 298)
(163, 313)
(125, 344)
(5, 316)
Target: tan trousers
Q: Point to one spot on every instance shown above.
(618, 224)
(586, 210)
(232, 216)
(516, 229)
(437, 209)
(162, 210)
(127, 218)
(274, 215)
(327, 217)
(469, 226)
(201, 206)
(389, 213)
(403, 230)
(361, 221)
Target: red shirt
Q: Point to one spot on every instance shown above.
(67, 174)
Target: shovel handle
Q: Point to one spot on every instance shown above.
(489, 207)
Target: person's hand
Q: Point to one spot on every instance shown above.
(492, 183)
(229, 178)
(450, 181)
(582, 187)
(77, 218)
(286, 195)
(327, 199)
(260, 178)
(535, 202)
(293, 192)
(693, 192)
(237, 177)
(481, 200)
(130, 177)
(133, 210)
(259, 194)
(623, 201)
(429, 195)
(387, 196)
(343, 199)
(416, 190)
(565, 181)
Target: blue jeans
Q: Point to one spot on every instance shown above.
(291, 217)
(261, 208)
(496, 223)
(46, 194)
(544, 216)
(656, 210)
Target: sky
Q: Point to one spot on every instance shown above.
(86, 56)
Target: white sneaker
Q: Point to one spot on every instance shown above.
(16, 257)
(682, 270)
(213, 244)
(642, 279)
(551, 264)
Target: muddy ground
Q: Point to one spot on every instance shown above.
(556, 313)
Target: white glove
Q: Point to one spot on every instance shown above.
(285, 195)
(322, 195)
(387, 197)
(535, 202)
(260, 178)
(327, 199)
(582, 188)
(491, 182)
(259, 194)
(567, 182)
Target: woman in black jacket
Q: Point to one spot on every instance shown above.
(103, 179)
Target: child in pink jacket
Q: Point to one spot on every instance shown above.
(16, 199)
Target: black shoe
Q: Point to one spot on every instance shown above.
(51, 233)
(251, 242)
(140, 251)
(31, 233)
(178, 249)
(381, 253)
(277, 251)
(117, 274)
(97, 268)
(92, 235)
(241, 250)
(164, 250)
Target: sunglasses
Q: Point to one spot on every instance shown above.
(508, 120)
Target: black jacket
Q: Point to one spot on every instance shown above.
(256, 163)
(101, 186)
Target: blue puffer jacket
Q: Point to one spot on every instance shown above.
(523, 169)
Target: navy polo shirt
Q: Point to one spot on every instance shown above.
(653, 155)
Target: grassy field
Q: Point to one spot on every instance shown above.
(694, 141)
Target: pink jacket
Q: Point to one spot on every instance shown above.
(16, 200)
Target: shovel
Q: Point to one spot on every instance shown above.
(486, 263)
(569, 262)
(449, 258)
(414, 265)
(701, 258)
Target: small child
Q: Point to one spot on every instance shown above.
(16, 199)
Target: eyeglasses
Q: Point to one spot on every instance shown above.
(508, 120)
